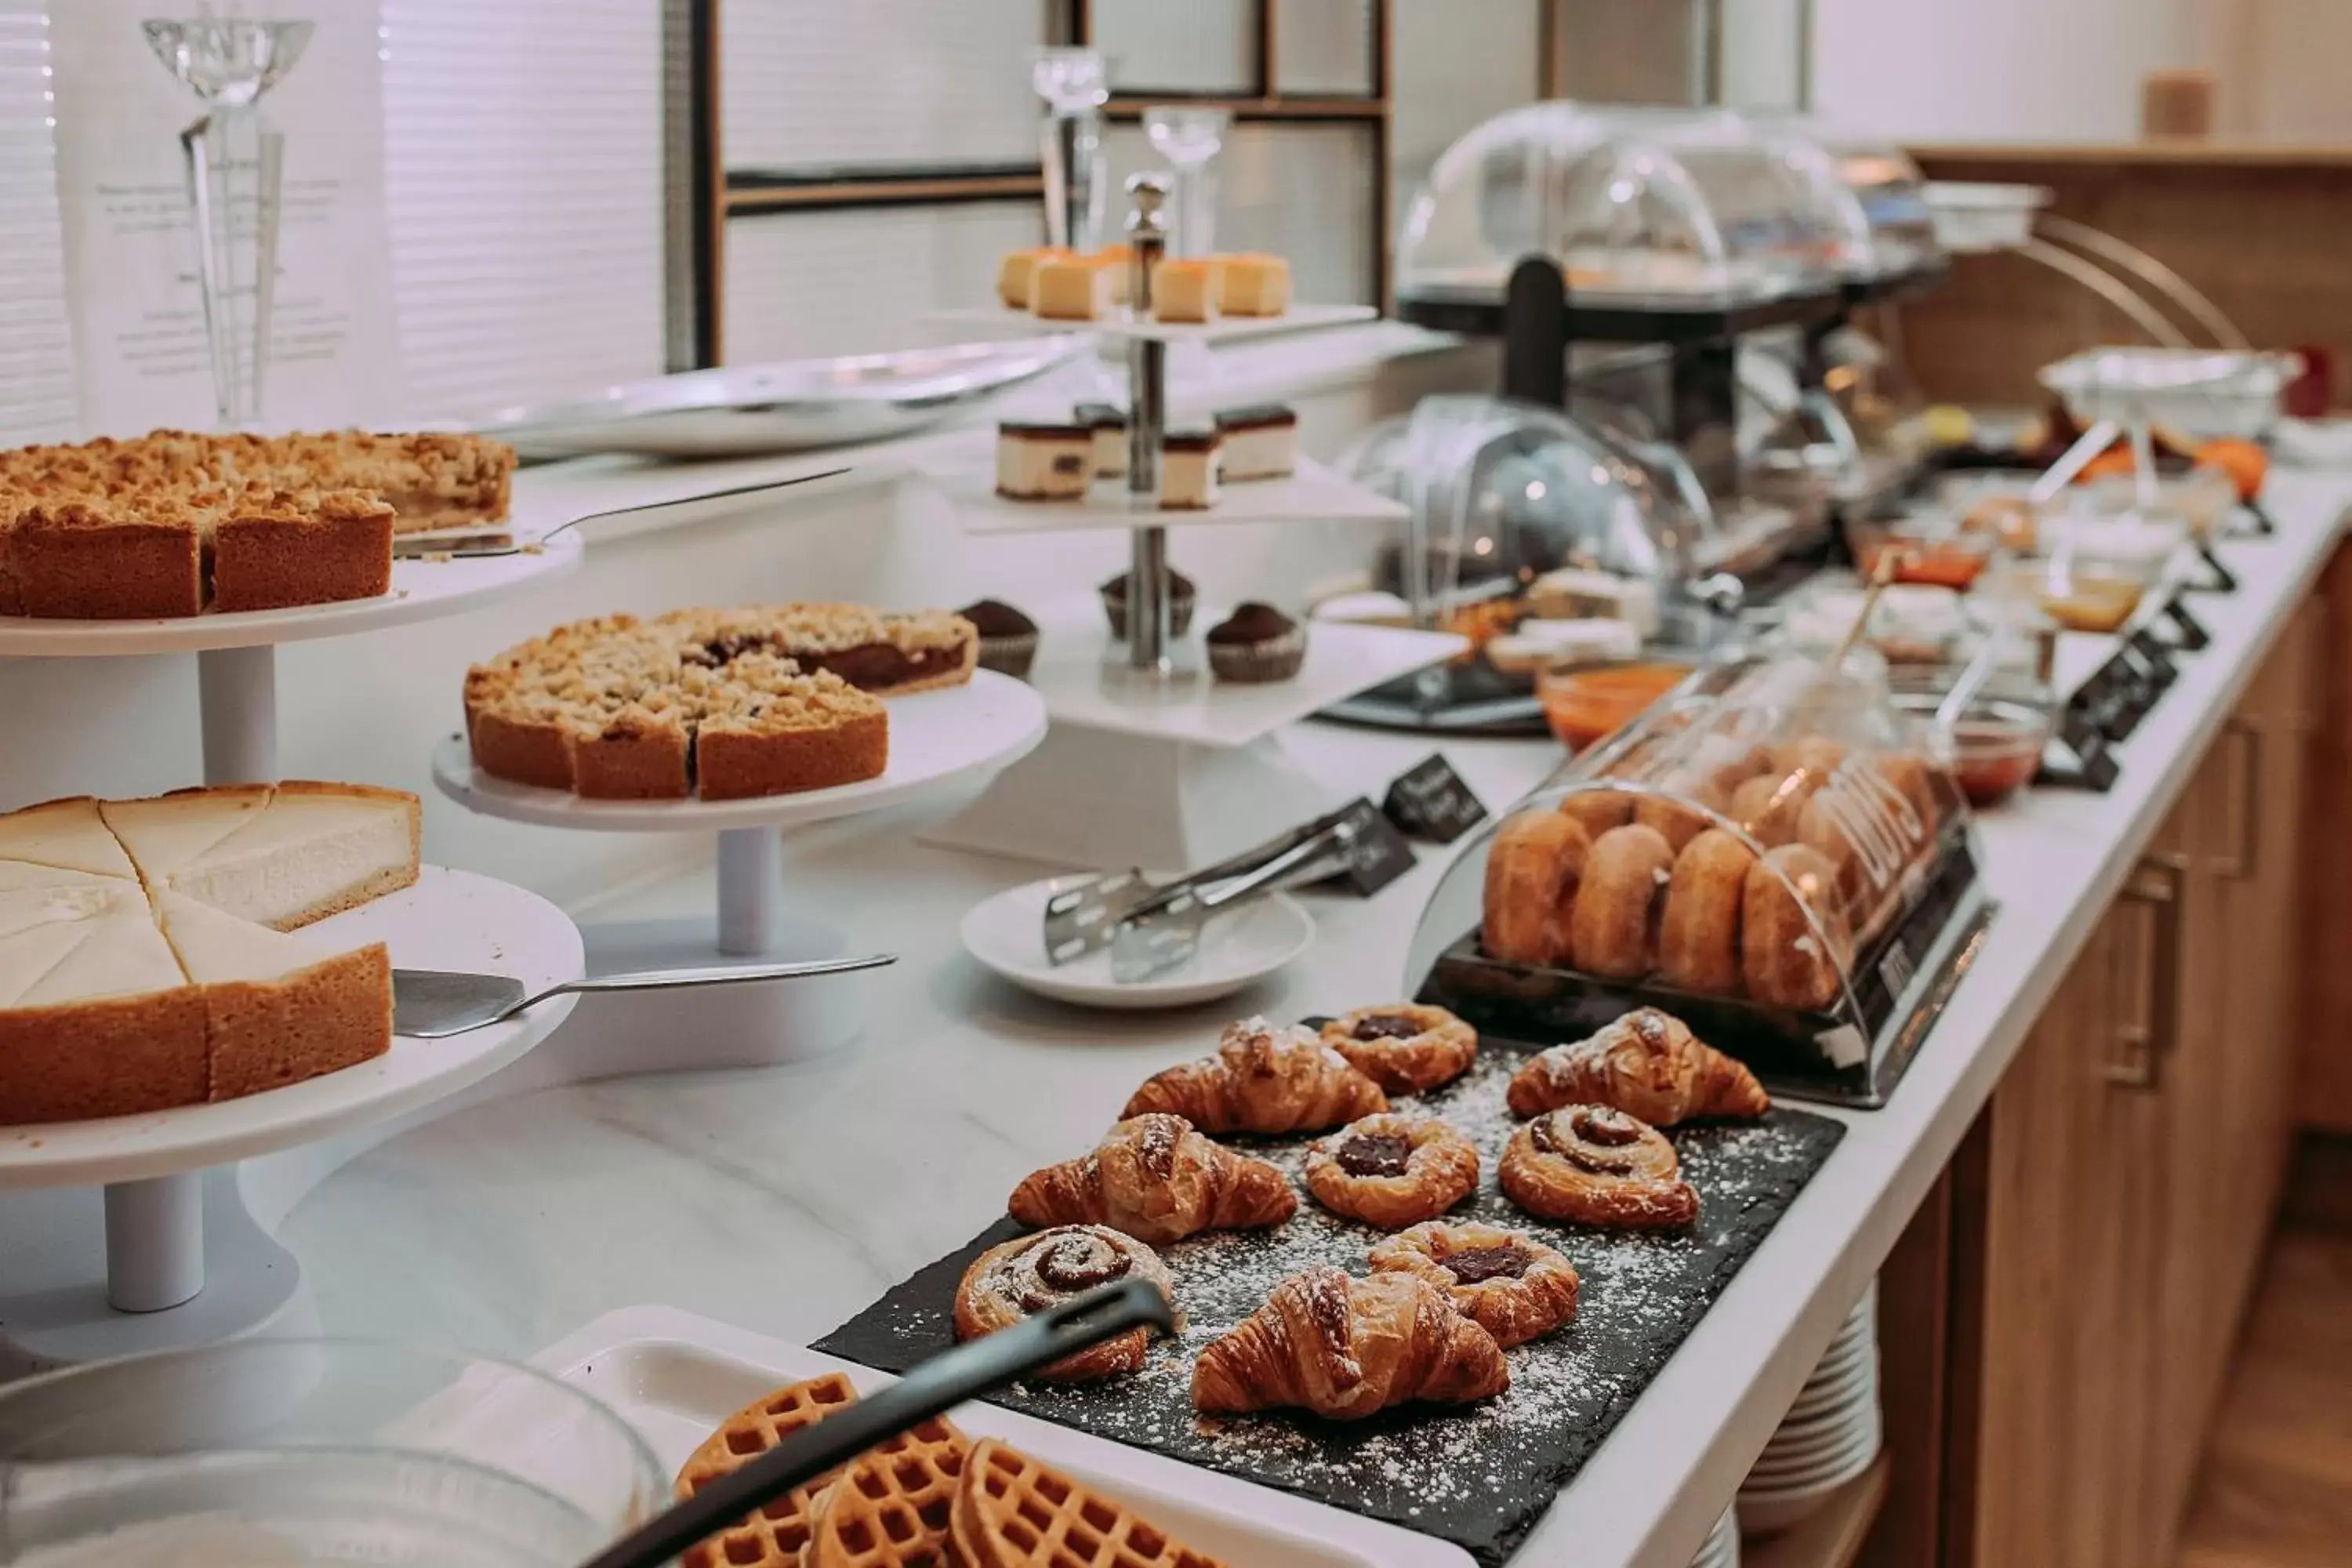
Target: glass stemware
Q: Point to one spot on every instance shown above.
(235, 165)
(1189, 139)
(1075, 84)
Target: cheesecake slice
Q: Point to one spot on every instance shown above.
(278, 1008)
(310, 851)
(96, 1017)
(69, 835)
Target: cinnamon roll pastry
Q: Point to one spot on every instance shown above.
(1506, 1281)
(1262, 1079)
(1532, 870)
(1392, 1169)
(1031, 1273)
(1405, 1048)
(1648, 1065)
(1347, 1348)
(1594, 1165)
(1156, 1179)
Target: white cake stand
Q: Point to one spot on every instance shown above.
(940, 742)
(1178, 769)
(236, 668)
(169, 1225)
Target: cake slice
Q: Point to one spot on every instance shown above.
(166, 834)
(1184, 291)
(1040, 461)
(68, 834)
(316, 850)
(1071, 288)
(278, 1008)
(96, 1019)
(274, 551)
(94, 559)
(1255, 285)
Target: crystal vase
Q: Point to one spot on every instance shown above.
(235, 161)
(1075, 84)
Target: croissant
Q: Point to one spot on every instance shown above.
(1647, 1064)
(1158, 1181)
(1262, 1079)
(1346, 1348)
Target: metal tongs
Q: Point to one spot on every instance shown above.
(1163, 932)
(1081, 919)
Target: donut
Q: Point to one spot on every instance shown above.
(1698, 934)
(1912, 778)
(1782, 956)
(1612, 930)
(1598, 810)
(1771, 807)
(1532, 872)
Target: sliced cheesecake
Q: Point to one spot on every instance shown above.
(281, 857)
(96, 1015)
(278, 1008)
(69, 835)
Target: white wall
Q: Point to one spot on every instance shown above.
(1996, 70)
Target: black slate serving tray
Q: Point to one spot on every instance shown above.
(1477, 1476)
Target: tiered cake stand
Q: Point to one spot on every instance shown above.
(940, 742)
(1150, 760)
(173, 1213)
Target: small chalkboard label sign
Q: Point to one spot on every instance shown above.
(1430, 801)
(1377, 855)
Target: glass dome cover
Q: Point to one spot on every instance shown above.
(1663, 208)
(1503, 492)
(1768, 854)
(1874, 193)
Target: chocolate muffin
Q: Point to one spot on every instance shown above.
(1255, 644)
(1180, 605)
(1008, 639)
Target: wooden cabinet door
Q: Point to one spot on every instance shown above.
(2073, 1198)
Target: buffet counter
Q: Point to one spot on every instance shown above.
(785, 1200)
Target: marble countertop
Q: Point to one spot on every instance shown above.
(785, 1199)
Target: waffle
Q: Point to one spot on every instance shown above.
(890, 1507)
(1015, 1512)
(773, 1537)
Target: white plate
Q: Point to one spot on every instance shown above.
(1831, 1404)
(1781, 1466)
(1006, 933)
(674, 1377)
(1833, 1468)
(1121, 325)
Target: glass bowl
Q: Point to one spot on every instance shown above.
(1588, 703)
(297, 1452)
(1994, 745)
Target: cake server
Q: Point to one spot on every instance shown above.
(1164, 933)
(434, 1004)
(479, 545)
(935, 1387)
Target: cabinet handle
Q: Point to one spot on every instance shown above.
(2159, 884)
(2246, 831)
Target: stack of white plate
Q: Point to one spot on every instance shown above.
(1831, 1434)
(1722, 1547)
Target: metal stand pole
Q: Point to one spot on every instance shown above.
(751, 873)
(1148, 583)
(154, 1242)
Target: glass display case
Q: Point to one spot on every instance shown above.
(1671, 209)
(1876, 193)
(1770, 853)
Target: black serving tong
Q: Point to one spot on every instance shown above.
(931, 1389)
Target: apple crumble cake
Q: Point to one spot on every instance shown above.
(162, 524)
(734, 704)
